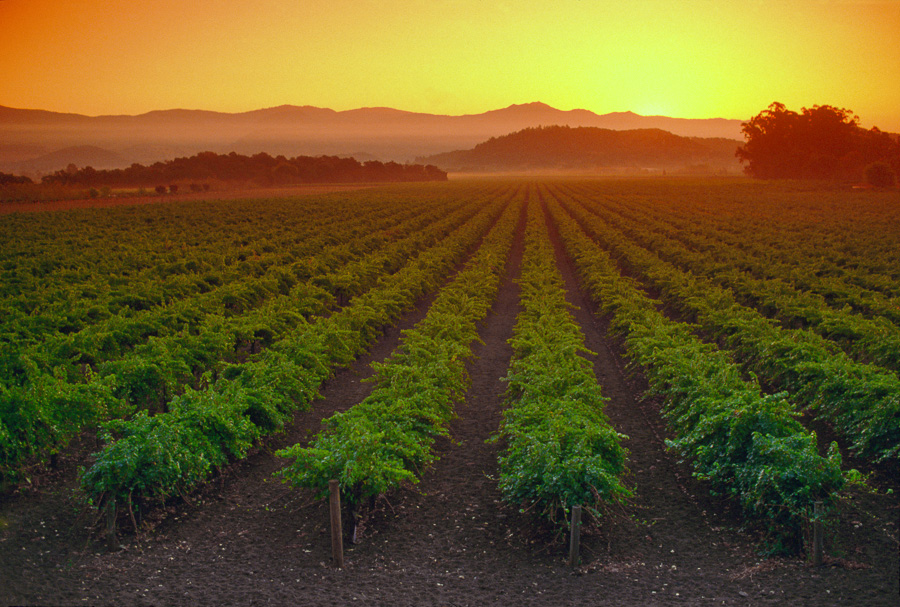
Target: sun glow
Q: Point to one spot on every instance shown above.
(654, 108)
(697, 58)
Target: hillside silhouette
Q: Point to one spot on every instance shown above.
(562, 148)
(30, 139)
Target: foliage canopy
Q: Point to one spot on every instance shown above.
(260, 168)
(821, 142)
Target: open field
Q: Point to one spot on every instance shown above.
(150, 198)
(727, 332)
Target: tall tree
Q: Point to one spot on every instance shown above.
(820, 142)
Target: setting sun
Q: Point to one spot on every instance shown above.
(694, 59)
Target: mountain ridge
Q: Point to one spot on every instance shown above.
(386, 134)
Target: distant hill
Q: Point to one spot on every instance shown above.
(378, 133)
(561, 148)
(81, 155)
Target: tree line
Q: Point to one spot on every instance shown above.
(260, 169)
(8, 179)
(821, 142)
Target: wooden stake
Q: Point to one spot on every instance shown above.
(111, 525)
(575, 536)
(354, 522)
(337, 535)
(818, 550)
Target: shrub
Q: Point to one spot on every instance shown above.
(880, 175)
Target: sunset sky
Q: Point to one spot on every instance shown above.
(686, 58)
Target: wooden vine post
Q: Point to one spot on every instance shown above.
(337, 534)
(575, 536)
(817, 548)
(111, 525)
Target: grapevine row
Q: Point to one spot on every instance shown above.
(814, 247)
(560, 450)
(89, 272)
(160, 456)
(861, 401)
(866, 339)
(749, 446)
(44, 413)
(112, 337)
(176, 360)
(387, 439)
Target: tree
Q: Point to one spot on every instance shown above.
(7, 178)
(821, 142)
(880, 175)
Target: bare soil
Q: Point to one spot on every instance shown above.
(247, 539)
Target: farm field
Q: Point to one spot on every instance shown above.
(130, 200)
(729, 354)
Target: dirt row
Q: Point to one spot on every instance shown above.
(247, 539)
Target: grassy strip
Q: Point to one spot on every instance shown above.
(749, 446)
(862, 401)
(172, 452)
(386, 439)
(560, 449)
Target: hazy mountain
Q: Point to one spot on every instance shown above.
(559, 148)
(383, 133)
(82, 156)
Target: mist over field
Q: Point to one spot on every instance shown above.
(38, 141)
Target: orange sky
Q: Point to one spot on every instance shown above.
(688, 58)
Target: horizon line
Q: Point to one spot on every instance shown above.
(363, 108)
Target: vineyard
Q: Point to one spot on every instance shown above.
(697, 365)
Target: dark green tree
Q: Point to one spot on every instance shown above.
(821, 142)
(880, 175)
